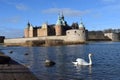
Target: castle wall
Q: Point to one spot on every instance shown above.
(23, 40)
(58, 30)
(76, 35)
(51, 31)
(30, 32)
(35, 33)
(42, 32)
(112, 36)
(96, 36)
(26, 33)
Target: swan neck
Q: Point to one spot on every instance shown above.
(90, 60)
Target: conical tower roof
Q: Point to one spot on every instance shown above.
(59, 22)
(81, 26)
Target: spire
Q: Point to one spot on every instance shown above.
(81, 20)
(28, 24)
(81, 25)
(59, 20)
(62, 16)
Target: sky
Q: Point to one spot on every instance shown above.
(95, 14)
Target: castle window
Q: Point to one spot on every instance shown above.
(75, 31)
(83, 31)
(68, 32)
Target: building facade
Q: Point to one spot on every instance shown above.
(58, 29)
(76, 32)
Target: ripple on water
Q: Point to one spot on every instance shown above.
(106, 57)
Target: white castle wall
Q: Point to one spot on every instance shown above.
(23, 40)
(76, 35)
(19, 40)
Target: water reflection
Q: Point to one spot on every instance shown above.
(79, 68)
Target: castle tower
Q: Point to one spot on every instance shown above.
(61, 26)
(81, 26)
(76, 35)
(58, 26)
(83, 31)
(28, 32)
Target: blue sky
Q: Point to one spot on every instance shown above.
(95, 14)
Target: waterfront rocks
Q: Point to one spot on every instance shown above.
(49, 63)
(26, 54)
(4, 59)
(11, 51)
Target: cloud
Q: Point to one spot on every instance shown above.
(110, 9)
(10, 32)
(66, 11)
(109, 1)
(21, 7)
(17, 5)
(10, 2)
(14, 20)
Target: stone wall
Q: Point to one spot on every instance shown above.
(42, 32)
(97, 36)
(48, 40)
(58, 30)
(112, 36)
(23, 40)
(76, 35)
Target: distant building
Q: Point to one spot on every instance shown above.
(112, 36)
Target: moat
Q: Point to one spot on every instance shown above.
(106, 57)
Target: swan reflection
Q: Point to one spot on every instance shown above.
(80, 68)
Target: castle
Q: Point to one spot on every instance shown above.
(61, 28)
(60, 33)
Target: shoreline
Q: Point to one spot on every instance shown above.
(12, 70)
(51, 43)
(44, 43)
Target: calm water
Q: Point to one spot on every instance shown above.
(106, 61)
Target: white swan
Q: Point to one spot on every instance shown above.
(80, 61)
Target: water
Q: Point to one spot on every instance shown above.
(106, 61)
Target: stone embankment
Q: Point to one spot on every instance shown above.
(43, 43)
(11, 70)
(40, 41)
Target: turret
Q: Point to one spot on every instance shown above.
(29, 30)
(26, 31)
(81, 26)
(59, 22)
(58, 26)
